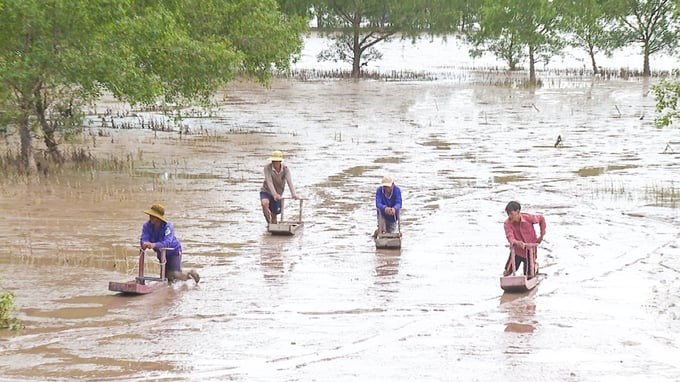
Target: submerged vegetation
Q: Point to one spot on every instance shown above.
(663, 194)
(658, 194)
(484, 76)
(8, 319)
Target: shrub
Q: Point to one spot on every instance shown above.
(7, 311)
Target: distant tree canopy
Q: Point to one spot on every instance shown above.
(589, 27)
(515, 29)
(653, 24)
(57, 54)
(357, 26)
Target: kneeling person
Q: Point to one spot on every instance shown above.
(158, 233)
(387, 204)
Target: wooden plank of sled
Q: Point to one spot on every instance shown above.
(388, 241)
(142, 284)
(133, 287)
(285, 228)
(518, 284)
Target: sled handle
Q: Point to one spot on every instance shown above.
(299, 212)
(531, 258)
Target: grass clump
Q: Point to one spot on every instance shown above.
(8, 320)
(664, 194)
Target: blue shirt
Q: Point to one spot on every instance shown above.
(163, 237)
(382, 201)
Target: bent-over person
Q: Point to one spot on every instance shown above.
(519, 230)
(276, 176)
(158, 233)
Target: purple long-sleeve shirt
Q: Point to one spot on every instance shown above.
(163, 237)
(524, 230)
(382, 201)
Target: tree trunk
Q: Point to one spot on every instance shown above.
(48, 129)
(532, 66)
(27, 164)
(356, 49)
(356, 60)
(592, 59)
(512, 61)
(646, 72)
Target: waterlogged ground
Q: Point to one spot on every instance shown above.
(325, 305)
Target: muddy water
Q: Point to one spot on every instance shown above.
(325, 305)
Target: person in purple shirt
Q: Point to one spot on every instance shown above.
(387, 204)
(158, 233)
(519, 230)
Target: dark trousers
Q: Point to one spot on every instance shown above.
(519, 259)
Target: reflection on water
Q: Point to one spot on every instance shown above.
(521, 311)
(271, 258)
(520, 324)
(386, 264)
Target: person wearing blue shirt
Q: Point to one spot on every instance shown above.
(158, 233)
(387, 204)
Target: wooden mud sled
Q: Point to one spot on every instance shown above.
(287, 227)
(515, 283)
(142, 284)
(387, 240)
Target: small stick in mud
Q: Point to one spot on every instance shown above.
(558, 142)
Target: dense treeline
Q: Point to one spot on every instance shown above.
(56, 55)
(516, 31)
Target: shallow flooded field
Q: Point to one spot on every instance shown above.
(325, 305)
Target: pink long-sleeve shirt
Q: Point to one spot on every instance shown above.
(524, 230)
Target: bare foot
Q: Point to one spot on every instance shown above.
(194, 275)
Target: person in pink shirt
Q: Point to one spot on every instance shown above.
(519, 230)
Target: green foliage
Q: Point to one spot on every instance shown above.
(446, 16)
(339, 51)
(263, 38)
(7, 311)
(296, 8)
(357, 26)
(57, 54)
(515, 29)
(667, 94)
(654, 24)
(589, 26)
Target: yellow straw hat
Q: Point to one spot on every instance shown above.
(387, 181)
(156, 210)
(277, 156)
